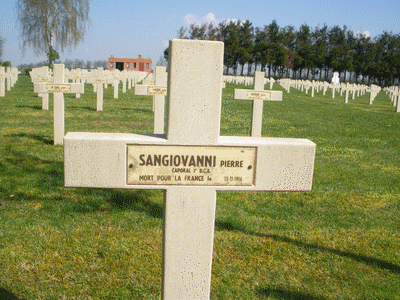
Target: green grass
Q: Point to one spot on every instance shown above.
(339, 241)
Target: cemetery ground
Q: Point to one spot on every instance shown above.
(339, 241)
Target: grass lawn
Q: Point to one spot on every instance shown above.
(339, 241)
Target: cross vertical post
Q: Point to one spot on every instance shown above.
(2, 82)
(99, 81)
(159, 91)
(58, 88)
(194, 108)
(58, 112)
(159, 100)
(45, 96)
(8, 76)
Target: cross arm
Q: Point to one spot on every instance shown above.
(246, 94)
(69, 88)
(99, 160)
(150, 90)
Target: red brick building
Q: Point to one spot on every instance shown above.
(130, 64)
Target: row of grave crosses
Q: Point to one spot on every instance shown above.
(247, 80)
(46, 82)
(95, 77)
(190, 162)
(394, 94)
(9, 76)
(356, 90)
(154, 84)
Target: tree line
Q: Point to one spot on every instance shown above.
(306, 53)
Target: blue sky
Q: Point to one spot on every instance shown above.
(128, 28)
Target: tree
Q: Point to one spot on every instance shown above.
(288, 40)
(320, 46)
(340, 55)
(212, 32)
(52, 55)
(46, 24)
(270, 49)
(6, 64)
(166, 53)
(100, 64)
(79, 63)
(304, 48)
(182, 32)
(246, 44)
(89, 64)
(162, 62)
(388, 58)
(229, 34)
(362, 57)
(68, 63)
(197, 32)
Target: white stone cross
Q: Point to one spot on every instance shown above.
(190, 162)
(8, 76)
(98, 81)
(159, 91)
(271, 82)
(115, 84)
(2, 82)
(59, 88)
(258, 95)
(44, 77)
(374, 91)
(14, 76)
(346, 97)
(77, 78)
(114, 79)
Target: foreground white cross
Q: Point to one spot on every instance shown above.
(191, 162)
(59, 88)
(258, 95)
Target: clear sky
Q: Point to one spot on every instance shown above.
(125, 28)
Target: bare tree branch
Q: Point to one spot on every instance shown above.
(49, 24)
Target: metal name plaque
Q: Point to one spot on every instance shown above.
(99, 81)
(258, 95)
(58, 88)
(191, 165)
(154, 90)
(45, 79)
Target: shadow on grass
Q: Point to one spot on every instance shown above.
(27, 106)
(136, 109)
(136, 200)
(286, 295)
(6, 295)
(83, 107)
(48, 174)
(33, 136)
(49, 179)
(359, 258)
